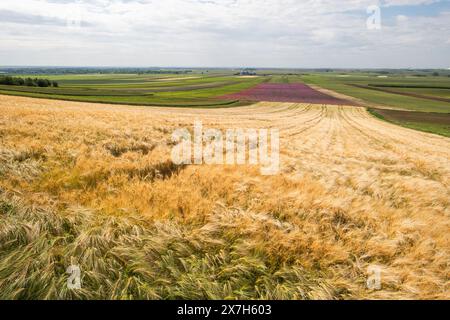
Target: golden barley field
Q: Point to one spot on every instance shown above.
(94, 186)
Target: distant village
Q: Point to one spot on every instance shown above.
(246, 72)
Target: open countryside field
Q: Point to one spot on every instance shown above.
(415, 91)
(94, 185)
(361, 86)
(408, 91)
(196, 90)
(437, 123)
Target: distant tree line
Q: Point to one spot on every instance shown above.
(29, 82)
(90, 70)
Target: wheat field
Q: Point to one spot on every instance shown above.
(94, 185)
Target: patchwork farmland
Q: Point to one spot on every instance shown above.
(179, 90)
(286, 92)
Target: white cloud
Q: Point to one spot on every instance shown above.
(214, 32)
(408, 2)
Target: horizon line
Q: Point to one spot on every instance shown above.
(221, 67)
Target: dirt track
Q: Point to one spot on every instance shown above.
(354, 191)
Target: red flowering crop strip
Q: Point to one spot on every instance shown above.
(289, 92)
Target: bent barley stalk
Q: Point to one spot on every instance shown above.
(93, 186)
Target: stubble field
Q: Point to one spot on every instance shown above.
(94, 186)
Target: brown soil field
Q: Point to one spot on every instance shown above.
(94, 185)
(412, 116)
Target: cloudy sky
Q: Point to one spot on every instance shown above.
(226, 33)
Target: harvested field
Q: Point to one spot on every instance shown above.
(286, 92)
(93, 185)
